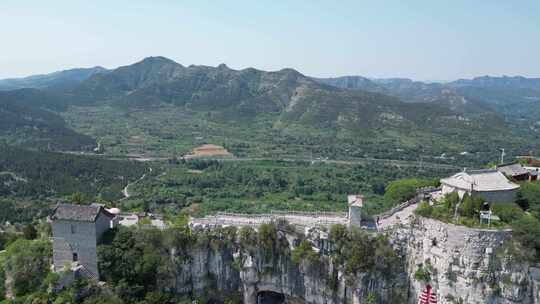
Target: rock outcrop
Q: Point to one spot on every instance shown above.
(465, 265)
(218, 272)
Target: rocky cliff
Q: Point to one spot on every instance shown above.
(218, 271)
(466, 265)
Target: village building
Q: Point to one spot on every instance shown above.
(533, 174)
(489, 184)
(76, 231)
(514, 171)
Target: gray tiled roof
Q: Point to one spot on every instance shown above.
(83, 213)
(480, 180)
(512, 169)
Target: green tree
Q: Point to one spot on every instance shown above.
(404, 189)
(29, 232)
(526, 230)
(28, 263)
(529, 197)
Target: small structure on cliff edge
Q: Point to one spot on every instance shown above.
(355, 202)
(76, 231)
(489, 184)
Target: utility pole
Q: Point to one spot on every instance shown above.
(502, 155)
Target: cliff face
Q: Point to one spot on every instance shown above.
(219, 272)
(463, 265)
(466, 265)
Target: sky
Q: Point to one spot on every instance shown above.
(422, 40)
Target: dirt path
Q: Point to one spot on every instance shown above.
(125, 191)
(14, 176)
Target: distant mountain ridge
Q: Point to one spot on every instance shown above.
(516, 97)
(26, 120)
(355, 109)
(297, 99)
(60, 79)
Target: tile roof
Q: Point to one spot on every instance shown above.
(83, 213)
(512, 169)
(480, 180)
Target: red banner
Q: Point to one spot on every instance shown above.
(427, 296)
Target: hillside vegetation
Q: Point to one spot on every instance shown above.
(157, 107)
(33, 174)
(202, 187)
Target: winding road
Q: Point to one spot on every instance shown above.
(125, 191)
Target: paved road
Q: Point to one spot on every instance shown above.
(356, 161)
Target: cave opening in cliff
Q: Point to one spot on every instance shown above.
(270, 297)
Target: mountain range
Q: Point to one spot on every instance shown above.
(513, 97)
(56, 80)
(353, 106)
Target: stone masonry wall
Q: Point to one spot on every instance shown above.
(82, 241)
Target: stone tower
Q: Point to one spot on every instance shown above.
(76, 232)
(356, 202)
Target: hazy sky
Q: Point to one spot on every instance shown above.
(426, 40)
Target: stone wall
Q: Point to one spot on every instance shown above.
(74, 237)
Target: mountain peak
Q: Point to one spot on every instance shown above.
(157, 60)
(223, 66)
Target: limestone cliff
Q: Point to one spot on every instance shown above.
(219, 271)
(465, 265)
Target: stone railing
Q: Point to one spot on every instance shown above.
(298, 219)
(309, 214)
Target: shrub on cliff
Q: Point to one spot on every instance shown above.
(133, 261)
(304, 252)
(28, 264)
(526, 230)
(404, 189)
(424, 209)
(358, 252)
(508, 213)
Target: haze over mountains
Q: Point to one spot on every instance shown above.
(351, 107)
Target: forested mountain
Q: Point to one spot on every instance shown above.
(26, 120)
(270, 109)
(297, 99)
(60, 79)
(514, 97)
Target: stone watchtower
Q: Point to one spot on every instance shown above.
(76, 231)
(355, 202)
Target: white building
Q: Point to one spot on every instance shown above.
(489, 184)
